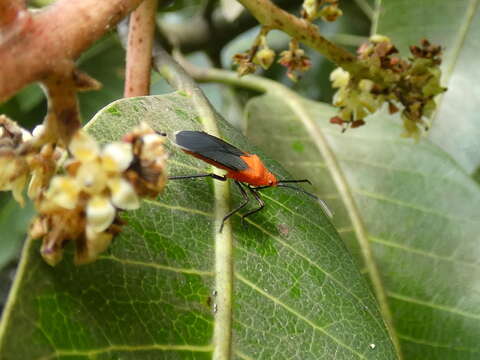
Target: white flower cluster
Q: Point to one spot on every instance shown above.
(78, 196)
(83, 203)
(406, 85)
(97, 173)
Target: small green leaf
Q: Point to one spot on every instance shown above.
(297, 292)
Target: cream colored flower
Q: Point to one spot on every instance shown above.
(100, 213)
(63, 191)
(38, 130)
(84, 147)
(26, 135)
(123, 194)
(117, 156)
(92, 177)
(366, 85)
(13, 175)
(339, 78)
(377, 38)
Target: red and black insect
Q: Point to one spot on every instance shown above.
(247, 170)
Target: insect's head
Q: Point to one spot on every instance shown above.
(271, 179)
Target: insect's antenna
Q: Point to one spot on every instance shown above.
(295, 181)
(298, 189)
(323, 204)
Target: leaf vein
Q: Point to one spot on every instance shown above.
(421, 252)
(157, 266)
(243, 356)
(176, 207)
(433, 305)
(432, 344)
(129, 348)
(381, 197)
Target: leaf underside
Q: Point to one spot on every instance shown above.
(421, 214)
(298, 294)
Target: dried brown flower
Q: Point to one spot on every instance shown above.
(295, 60)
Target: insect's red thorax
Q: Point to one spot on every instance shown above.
(256, 174)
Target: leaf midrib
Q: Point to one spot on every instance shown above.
(222, 328)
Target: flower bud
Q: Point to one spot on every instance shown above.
(339, 77)
(264, 58)
(377, 38)
(311, 8)
(331, 13)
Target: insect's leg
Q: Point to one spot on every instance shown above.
(295, 181)
(257, 197)
(246, 199)
(214, 176)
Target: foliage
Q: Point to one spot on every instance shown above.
(151, 295)
(405, 227)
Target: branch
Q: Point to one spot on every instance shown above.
(10, 10)
(56, 35)
(139, 50)
(273, 17)
(43, 46)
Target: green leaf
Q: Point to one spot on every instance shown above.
(455, 25)
(297, 292)
(419, 208)
(105, 62)
(13, 227)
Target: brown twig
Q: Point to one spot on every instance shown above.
(63, 116)
(268, 14)
(139, 50)
(10, 11)
(59, 33)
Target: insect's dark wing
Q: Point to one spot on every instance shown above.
(212, 148)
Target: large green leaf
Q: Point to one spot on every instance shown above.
(298, 294)
(420, 210)
(456, 26)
